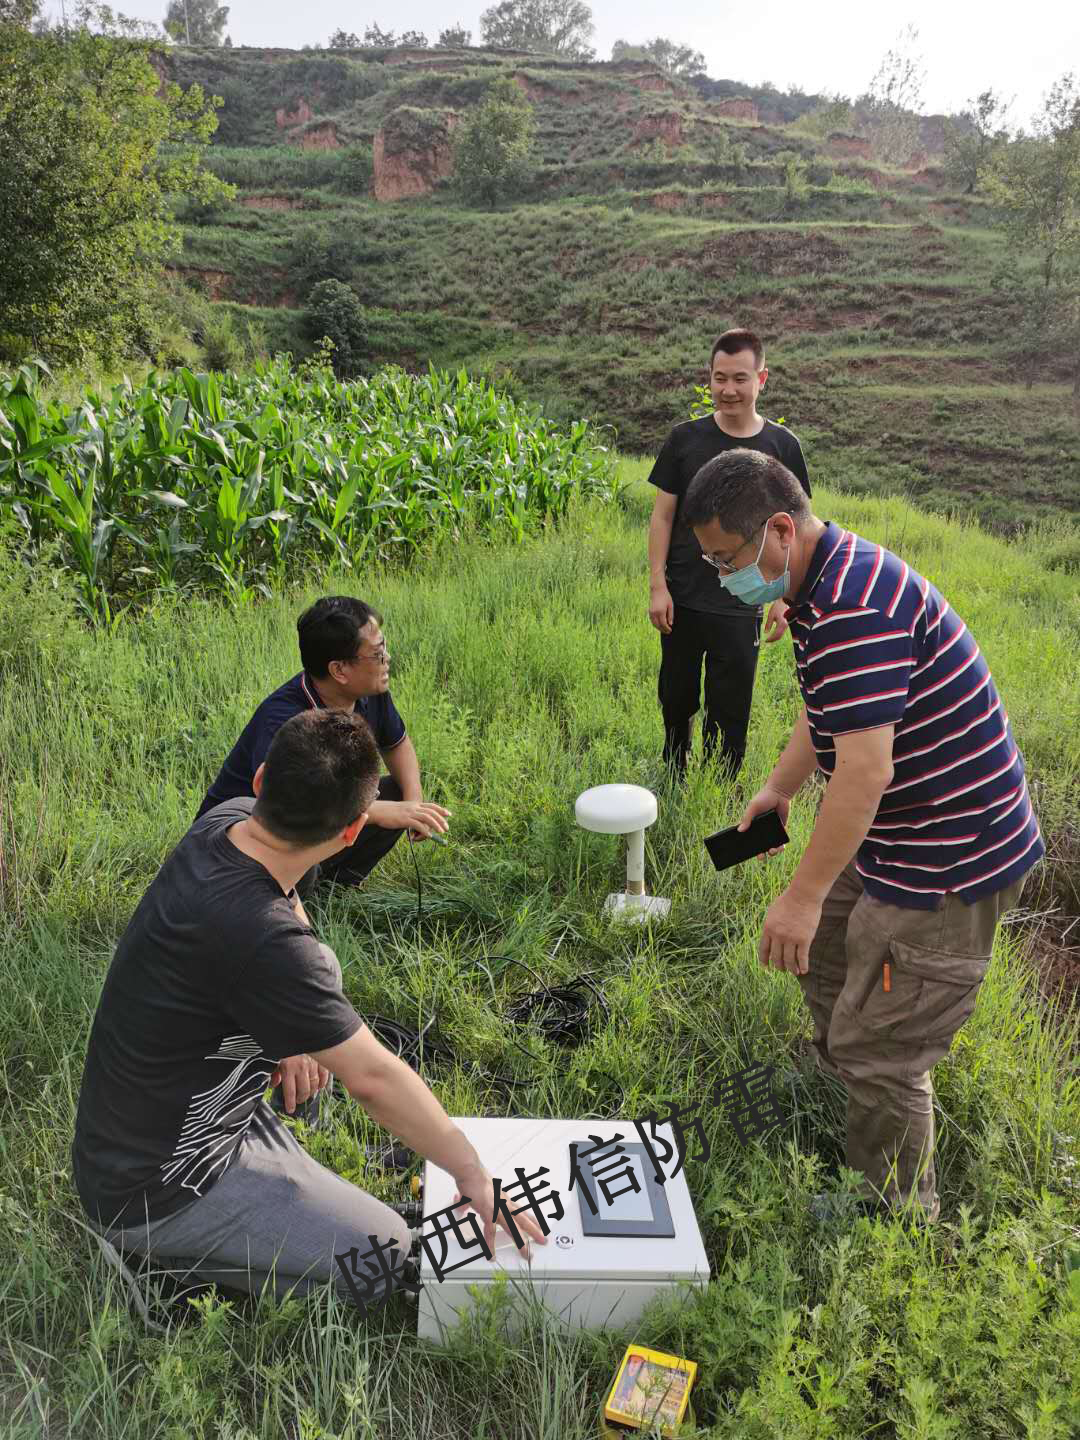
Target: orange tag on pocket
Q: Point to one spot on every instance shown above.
(886, 978)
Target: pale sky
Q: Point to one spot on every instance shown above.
(967, 45)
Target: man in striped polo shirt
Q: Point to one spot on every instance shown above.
(926, 830)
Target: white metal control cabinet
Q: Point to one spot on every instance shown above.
(588, 1280)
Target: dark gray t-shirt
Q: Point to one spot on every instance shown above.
(214, 980)
(693, 583)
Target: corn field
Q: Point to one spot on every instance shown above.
(229, 483)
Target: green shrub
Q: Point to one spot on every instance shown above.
(222, 347)
(317, 252)
(355, 169)
(840, 184)
(796, 184)
(334, 311)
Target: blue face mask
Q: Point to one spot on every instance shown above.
(750, 586)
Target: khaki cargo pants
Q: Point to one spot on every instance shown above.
(883, 1044)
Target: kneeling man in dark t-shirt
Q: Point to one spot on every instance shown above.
(346, 667)
(696, 617)
(219, 988)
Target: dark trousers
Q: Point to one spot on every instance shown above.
(353, 865)
(729, 645)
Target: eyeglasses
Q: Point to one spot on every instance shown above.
(380, 655)
(725, 567)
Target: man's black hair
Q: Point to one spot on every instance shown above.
(733, 341)
(322, 773)
(330, 630)
(743, 488)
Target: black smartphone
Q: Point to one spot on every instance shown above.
(730, 847)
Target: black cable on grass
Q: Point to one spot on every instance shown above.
(564, 1015)
(409, 1044)
(419, 886)
(412, 1046)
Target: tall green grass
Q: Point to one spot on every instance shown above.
(287, 167)
(526, 674)
(237, 483)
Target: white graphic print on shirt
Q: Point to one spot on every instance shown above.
(215, 1118)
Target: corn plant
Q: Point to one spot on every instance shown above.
(230, 483)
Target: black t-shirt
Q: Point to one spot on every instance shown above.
(692, 582)
(214, 980)
(298, 694)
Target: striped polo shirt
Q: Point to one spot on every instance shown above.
(876, 644)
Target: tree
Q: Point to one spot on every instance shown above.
(677, 60)
(796, 184)
(334, 311)
(554, 27)
(94, 18)
(1036, 180)
(196, 22)
(832, 113)
(376, 39)
(493, 144)
(723, 150)
(892, 102)
(974, 139)
(92, 159)
(19, 12)
(455, 38)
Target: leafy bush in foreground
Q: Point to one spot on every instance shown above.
(231, 482)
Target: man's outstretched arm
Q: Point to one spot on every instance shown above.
(412, 812)
(396, 1098)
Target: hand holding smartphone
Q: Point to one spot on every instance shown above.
(732, 846)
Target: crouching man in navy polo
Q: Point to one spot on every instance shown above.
(346, 667)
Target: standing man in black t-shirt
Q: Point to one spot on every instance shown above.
(695, 615)
(346, 667)
(219, 988)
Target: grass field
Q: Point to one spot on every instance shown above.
(526, 674)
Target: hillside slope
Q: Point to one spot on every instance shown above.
(656, 218)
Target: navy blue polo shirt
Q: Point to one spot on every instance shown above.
(296, 695)
(876, 644)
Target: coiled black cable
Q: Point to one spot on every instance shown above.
(564, 1015)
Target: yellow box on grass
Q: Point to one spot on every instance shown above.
(650, 1389)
